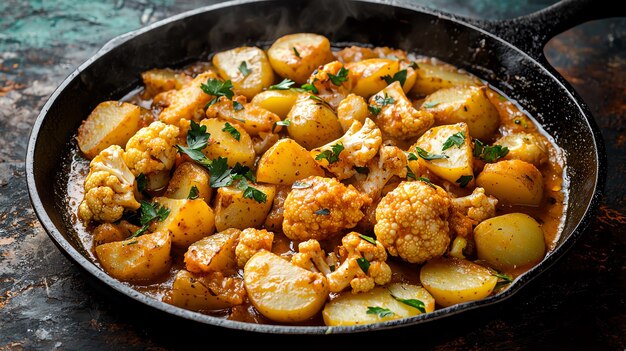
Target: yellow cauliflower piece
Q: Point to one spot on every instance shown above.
(322, 210)
(108, 188)
(360, 145)
(470, 210)
(152, 149)
(327, 90)
(251, 241)
(412, 221)
(391, 162)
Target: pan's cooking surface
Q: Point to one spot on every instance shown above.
(556, 282)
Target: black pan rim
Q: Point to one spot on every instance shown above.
(55, 234)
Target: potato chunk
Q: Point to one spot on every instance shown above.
(453, 280)
(110, 123)
(233, 210)
(352, 108)
(213, 253)
(510, 241)
(285, 162)
(225, 144)
(432, 76)
(254, 119)
(279, 102)
(282, 291)
(159, 80)
(247, 68)
(296, 56)
(352, 309)
(188, 220)
(188, 102)
(368, 75)
(137, 259)
(457, 159)
(186, 176)
(313, 123)
(203, 293)
(467, 104)
(529, 147)
(513, 182)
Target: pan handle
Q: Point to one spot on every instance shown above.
(531, 32)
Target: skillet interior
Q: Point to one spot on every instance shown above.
(189, 37)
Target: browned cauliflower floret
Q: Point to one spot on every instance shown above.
(391, 162)
(360, 144)
(108, 188)
(363, 263)
(412, 221)
(152, 149)
(396, 115)
(327, 89)
(251, 241)
(470, 210)
(322, 210)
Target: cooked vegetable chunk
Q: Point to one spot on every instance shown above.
(137, 259)
(252, 118)
(285, 162)
(528, 147)
(187, 176)
(110, 123)
(279, 102)
(234, 210)
(510, 241)
(452, 280)
(296, 56)
(152, 149)
(467, 104)
(368, 75)
(188, 220)
(313, 123)
(206, 292)
(269, 279)
(247, 68)
(188, 102)
(352, 108)
(354, 309)
(513, 182)
(251, 241)
(230, 141)
(435, 75)
(159, 80)
(213, 253)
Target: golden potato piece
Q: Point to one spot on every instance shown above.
(457, 159)
(159, 80)
(188, 220)
(368, 75)
(313, 123)
(513, 182)
(188, 102)
(453, 280)
(233, 210)
(213, 253)
(279, 102)
(435, 75)
(203, 293)
(252, 118)
(282, 291)
(110, 123)
(352, 309)
(352, 108)
(224, 142)
(296, 56)
(285, 162)
(510, 241)
(247, 68)
(143, 258)
(529, 147)
(186, 176)
(467, 104)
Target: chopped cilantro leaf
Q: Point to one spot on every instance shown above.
(400, 76)
(217, 88)
(464, 180)
(454, 139)
(332, 155)
(285, 84)
(232, 130)
(427, 181)
(369, 239)
(322, 212)
(342, 76)
(243, 68)
(412, 302)
(364, 264)
(193, 193)
(295, 51)
(427, 155)
(381, 312)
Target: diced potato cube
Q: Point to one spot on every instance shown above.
(205, 293)
(188, 220)
(432, 76)
(352, 108)
(513, 182)
(225, 144)
(296, 56)
(279, 102)
(110, 123)
(313, 123)
(159, 80)
(233, 210)
(368, 75)
(247, 68)
(285, 162)
(188, 102)
(213, 253)
(144, 258)
(252, 118)
(186, 176)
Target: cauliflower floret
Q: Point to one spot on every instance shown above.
(397, 117)
(327, 90)
(251, 241)
(360, 145)
(363, 263)
(108, 188)
(323, 209)
(468, 211)
(391, 162)
(412, 221)
(152, 149)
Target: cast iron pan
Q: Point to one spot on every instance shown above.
(508, 54)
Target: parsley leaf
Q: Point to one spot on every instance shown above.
(284, 123)
(197, 139)
(413, 65)
(142, 182)
(381, 312)
(322, 212)
(316, 98)
(363, 263)
(427, 181)
(454, 139)
(382, 101)
(489, 153)
(464, 180)
(300, 185)
(427, 155)
(412, 302)
(330, 156)
(232, 130)
(373, 109)
(295, 51)
(362, 170)
(217, 88)
(243, 68)
(369, 239)
(400, 76)
(430, 104)
(342, 76)
(285, 84)
(409, 173)
(193, 193)
(148, 214)
(251, 192)
(237, 106)
(309, 88)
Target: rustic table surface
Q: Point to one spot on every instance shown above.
(45, 302)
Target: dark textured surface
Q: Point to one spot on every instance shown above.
(45, 303)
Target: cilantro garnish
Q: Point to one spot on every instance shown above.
(369, 239)
(382, 101)
(193, 193)
(454, 139)
(150, 213)
(381, 312)
(400, 76)
(217, 88)
(412, 302)
(142, 183)
(232, 130)
(364, 264)
(489, 153)
(464, 180)
(197, 139)
(243, 68)
(427, 181)
(332, 155)
(285, 84)
(322, 212)
(342, 76)
(409, 173)
(251, 192)
(295, 51)
(427, 155)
